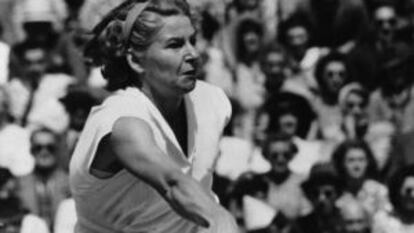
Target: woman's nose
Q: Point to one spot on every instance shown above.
(191, 54)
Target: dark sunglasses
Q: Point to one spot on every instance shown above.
(331, 73)
(328, 193)
(39, 147)
(285, 155)
(354, 105)
(409, 191)
(382, 22)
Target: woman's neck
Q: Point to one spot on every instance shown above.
(354, 185)
(168, 105)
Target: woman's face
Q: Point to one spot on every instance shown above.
(334, 76)
(356, 163)
(171, 62)
(354, 105)
(251, 42)
(297, 37)
(407, 193)
(280, 154)
(288, 124)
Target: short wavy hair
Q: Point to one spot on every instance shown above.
(338, 158)
(108, 48)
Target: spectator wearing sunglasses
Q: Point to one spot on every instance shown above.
(357, 169)
(401, 218)
(331, 73)
(322, 188)
(279, 188)
(44, 189)
(369, 56)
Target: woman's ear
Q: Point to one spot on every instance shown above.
(135, 63)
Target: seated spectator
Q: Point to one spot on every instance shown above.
(322, 188)
(292, 115)
(34, 95)
(357, 170)
(44, 189)
(280, 187)
(274, 67)
(14, 218)
(354, 216)
(401, 218)
(393, 101)
(401, 153)
(368, 57)
(332, 73)
(78, 102)
(250, 91)
(302, 58)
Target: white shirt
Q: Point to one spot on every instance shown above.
(124, 203)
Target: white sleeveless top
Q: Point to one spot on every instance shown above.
(124, 203)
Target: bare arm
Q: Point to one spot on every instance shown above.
(134, 145)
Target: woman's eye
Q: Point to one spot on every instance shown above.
(175, 44)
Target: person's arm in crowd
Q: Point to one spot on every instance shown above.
(135, 147)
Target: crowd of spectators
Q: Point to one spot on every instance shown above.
(322, 132)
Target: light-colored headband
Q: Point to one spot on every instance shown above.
(131, 17)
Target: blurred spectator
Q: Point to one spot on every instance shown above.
(78, 102)
(334, 23)
(274, 66)
(393, 102)
(323, 188)
(355, 218)
(353, 101)
(48, 185)
(302, 58)
(331, 73)
(368, 57)
(250, 89)
(401, 219)
(29, 13)
(402, 152)
(280, 187)
(34, 94)
(239, 8)
(14, 141)
(291, 114)
(357, 169)
(14, 218)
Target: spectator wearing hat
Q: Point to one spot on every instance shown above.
(13, 216)
(323, 188)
